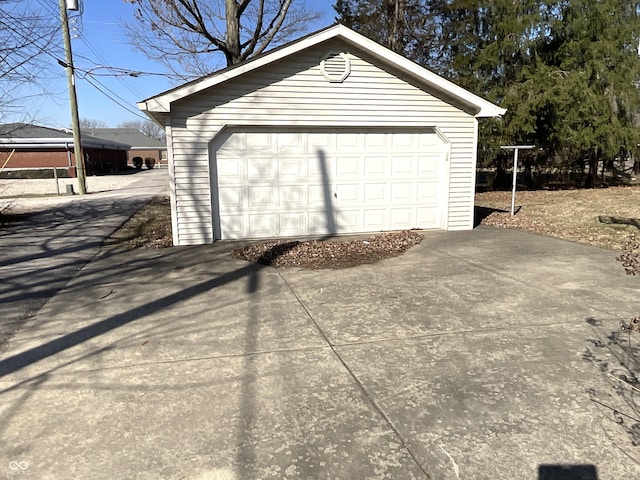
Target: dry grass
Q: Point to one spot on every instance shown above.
(569, 214)
(149, 227)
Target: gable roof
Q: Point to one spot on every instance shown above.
(130, 136)
(160, 104)
(26, 135)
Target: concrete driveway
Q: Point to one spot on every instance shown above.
(490, 354)
(49, 246)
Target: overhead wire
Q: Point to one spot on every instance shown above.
(90, 75)
(122, 105)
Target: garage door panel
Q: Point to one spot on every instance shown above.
(428, 165)
(292, 169)
(292, 196)
(427, 193)
(401, 218)
(403, 193)
(428, 217)
(230, 168)
(320, 196)
(320, 168)
(403, 166)
(349, 142)
(377, 166)
(232, 226)
(293, 223)
(319, 144)
(293, 183)
(321, 222)
(262, 225)
(290, 142)
(231, 197)
(252, 140)
(349, 194)
(376, 194)
(404, 141)
(375, 141)
(349, 221)
(348, 168)
(374, 218)
(260, 168)
(260, 196)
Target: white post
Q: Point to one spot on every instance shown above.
(515, 181)
(515, 149)
(55, 175)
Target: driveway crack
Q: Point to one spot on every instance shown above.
(403, 441)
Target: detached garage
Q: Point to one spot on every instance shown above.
(329, 134)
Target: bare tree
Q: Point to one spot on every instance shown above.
(92, 123)
(189, 33)
(147, 127)
(26, 38)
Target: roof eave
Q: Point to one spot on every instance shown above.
(59, 143)
(482, 108)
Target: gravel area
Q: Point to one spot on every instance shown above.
(20, 187)
(19, 196)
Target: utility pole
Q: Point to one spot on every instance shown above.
(75, 121)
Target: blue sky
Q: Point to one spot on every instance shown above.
(101, 40)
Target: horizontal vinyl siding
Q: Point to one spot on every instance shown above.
(293, 92)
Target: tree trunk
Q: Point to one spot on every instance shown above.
(528, 174)
(501, 180)
(232, 52)
(592, 175)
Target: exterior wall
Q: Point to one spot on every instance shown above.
(293, 92)
(38, 159)
(99, 161)
(160, 156)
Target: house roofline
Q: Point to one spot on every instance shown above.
(58, 142)
(161, 103)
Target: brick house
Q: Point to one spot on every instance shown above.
(30, 146)
(142, 145)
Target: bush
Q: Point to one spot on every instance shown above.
(150, 162)
(137, 162)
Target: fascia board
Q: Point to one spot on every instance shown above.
(484, 108)
(162, 102)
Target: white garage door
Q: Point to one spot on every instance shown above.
(282, 184)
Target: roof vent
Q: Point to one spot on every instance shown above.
(335, 67)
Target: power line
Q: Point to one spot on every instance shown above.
(137, 114)
(104, 62)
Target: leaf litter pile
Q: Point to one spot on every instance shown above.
(317, 254)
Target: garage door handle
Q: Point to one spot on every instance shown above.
(335, 195)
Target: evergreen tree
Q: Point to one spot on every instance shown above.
(567, 71)
(400, 25)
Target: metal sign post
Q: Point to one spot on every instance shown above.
(515, 149)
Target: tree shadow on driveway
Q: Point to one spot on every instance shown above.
(616, 354)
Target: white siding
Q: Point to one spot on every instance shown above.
(293, 92)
